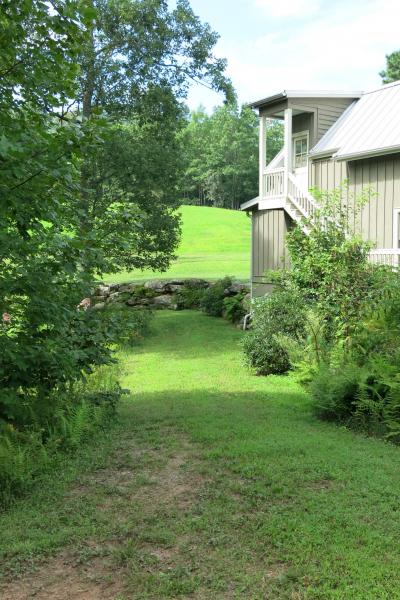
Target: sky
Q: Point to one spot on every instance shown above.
(273, 45)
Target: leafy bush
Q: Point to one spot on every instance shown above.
(281, 313)
(127, 325)
(265, 355)
(141, 291)
(330, 263)
(365, 396)
(233, 308)
(190, 296)
(357, 379)
(350, 351)
(212, 302)
(335, 391)
(358, 382)
(308, 351)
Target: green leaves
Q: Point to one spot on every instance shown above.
(330, 265)
(392, 71)
(221, 155)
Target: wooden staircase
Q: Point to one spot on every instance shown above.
(284, 187)
(299, 203)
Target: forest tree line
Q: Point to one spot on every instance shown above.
(220, 153)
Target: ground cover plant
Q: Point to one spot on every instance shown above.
(212, 302)
(33, 434)
(214, 483)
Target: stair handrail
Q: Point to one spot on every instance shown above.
(303, 193)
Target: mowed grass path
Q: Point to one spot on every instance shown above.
(215, 242)
(216, 484)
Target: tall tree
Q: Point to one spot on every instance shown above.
(392, 71)
(41, 282)
(136, 67)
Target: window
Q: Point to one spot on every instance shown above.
(300, 150)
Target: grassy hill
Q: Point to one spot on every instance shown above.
(215, 242)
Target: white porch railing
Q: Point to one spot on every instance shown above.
(385, 256)
(273, 183)
(274, 187)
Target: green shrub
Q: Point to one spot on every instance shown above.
(350, 351)
(233, 308)
(190, 296)
(141, 291)
(280, 314)
(265, 355)
(127, 325)
(212, 302)
(335, 391)
(22, 457)
(364, 395)
(329, 264)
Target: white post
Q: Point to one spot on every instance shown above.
(262, 154)
(287, 148)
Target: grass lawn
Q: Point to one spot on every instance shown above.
(215, 242)
(215, 484)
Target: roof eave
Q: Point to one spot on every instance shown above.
(367, 153)
(304, 94)
(268, 100)
(323, 153)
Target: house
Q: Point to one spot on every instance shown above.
(329, 137)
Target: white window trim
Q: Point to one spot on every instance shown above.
(301, 134)
(396, 212)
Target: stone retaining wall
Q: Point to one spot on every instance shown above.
(156, 294)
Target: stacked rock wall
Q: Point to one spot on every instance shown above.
(155, 294)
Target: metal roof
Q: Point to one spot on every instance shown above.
(369, 126)
(304, 94)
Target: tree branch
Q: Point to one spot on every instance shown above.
(7, 71)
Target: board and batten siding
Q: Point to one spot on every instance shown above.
(382, 175)
(326, 112)
(269, 228)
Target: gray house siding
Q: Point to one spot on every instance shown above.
(269, 228)
(326, 112)
(382, 175)
(304, 122)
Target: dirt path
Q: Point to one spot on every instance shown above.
(160, 483)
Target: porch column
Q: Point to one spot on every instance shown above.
(287, 148)
(262, 154)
